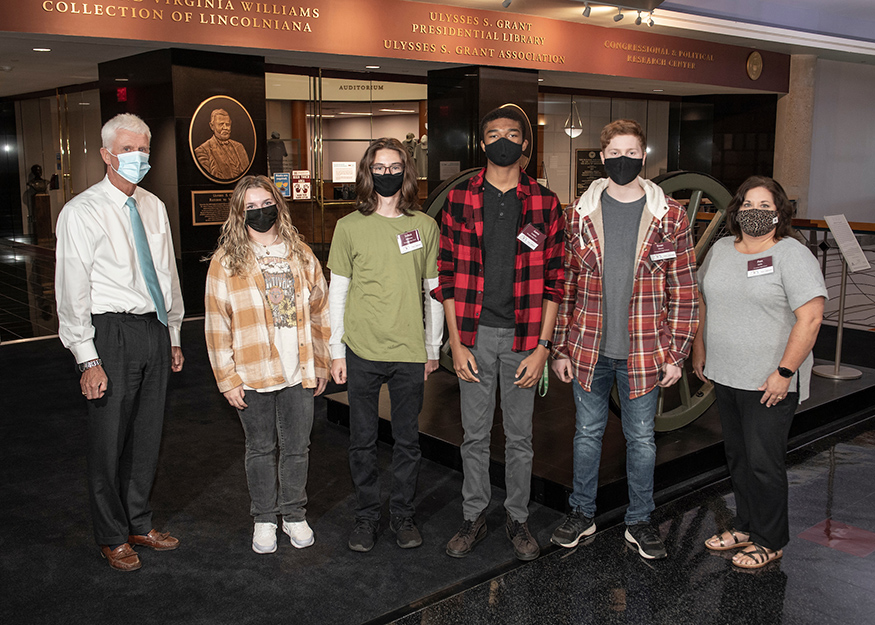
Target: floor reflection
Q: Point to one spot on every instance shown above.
(603, 580)
(27, 291)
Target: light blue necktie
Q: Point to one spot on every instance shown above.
(145, 258)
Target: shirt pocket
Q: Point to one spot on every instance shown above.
(588, 257)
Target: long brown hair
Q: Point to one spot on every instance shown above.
(366, 200)
(782, 205)
(234, 243)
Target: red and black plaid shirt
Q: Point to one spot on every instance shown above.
(538, 273)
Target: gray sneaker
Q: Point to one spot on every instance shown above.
(525, 547)
(471, 533)
(646, 539)
(406, 533)
(575, 526)
(363, 535)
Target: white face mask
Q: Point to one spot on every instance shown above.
(132, 166)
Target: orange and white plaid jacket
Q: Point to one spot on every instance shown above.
(239, 326)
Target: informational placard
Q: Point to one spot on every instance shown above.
(343, 171)
(450, 169)
(589, 169)
(301, 184)
(209, 208)
(283, 182)
(848, 244)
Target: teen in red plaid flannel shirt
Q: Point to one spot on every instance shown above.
(500, 281)
(629, 314)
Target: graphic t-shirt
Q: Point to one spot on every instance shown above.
(279, 298)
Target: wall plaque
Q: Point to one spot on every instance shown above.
(210, 208)
(222, 139)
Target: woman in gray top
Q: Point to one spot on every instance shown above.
(764, 294)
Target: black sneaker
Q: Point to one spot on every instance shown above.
(406, 534)
(363, 535)
(646, 538)
(575, 526)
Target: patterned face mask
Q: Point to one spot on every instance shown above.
(756, 222)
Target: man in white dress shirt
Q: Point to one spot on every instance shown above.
(120, 311)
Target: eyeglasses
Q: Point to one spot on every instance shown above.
(394, 168)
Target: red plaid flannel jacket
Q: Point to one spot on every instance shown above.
(538, 273)
(664, 309)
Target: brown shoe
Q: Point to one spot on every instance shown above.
(525, 547)
(122, 558)
(471, 533)
(159, 541)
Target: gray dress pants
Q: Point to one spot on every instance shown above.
(496, 363)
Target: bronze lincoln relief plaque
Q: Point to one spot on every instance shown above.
(222, 139)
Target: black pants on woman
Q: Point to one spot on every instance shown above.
(755, 438)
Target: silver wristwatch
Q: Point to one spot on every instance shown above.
(88, 364)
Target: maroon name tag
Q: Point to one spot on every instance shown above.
(409, 241)
(531, 237)
(662, 250)
(760, 267)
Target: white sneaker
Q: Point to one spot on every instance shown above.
(264, 538)
(300, 533)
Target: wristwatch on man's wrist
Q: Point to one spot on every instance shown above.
(784, 372)
(546, 343)
(88, 364)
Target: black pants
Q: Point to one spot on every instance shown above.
(406, 384)
(124, 426)
(755, 438)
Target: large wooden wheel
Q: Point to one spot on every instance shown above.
(685, 402)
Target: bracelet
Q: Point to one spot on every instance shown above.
(88, 364)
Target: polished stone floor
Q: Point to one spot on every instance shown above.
(827, 574)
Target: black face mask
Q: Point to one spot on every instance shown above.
(262, 219)
(504, 152)
(623, 169)
(388, 185)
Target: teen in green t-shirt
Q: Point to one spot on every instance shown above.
(382, 256)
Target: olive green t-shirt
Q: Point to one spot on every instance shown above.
(383, 318)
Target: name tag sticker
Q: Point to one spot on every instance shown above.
(662, 251)
(409, 241)
(760, 267)
(531, 237)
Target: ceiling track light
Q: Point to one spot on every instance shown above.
(587, 10)
(619, 15)
(506, 3)
(638, 19)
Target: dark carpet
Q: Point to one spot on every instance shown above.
(53, 573)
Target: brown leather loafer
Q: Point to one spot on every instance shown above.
(159, 541)
(122, 558)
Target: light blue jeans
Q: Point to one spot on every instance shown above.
(592, 416)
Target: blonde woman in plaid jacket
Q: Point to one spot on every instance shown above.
(267, 333)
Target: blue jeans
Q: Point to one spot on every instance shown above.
(592, 416)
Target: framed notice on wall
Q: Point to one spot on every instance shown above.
(210, 208)
(588, 169)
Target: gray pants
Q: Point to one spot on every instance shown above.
(279, 419)
(496, 365)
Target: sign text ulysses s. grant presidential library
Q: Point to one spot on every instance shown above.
(416, 31)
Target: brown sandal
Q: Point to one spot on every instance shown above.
(723, 544)
(759, 556)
